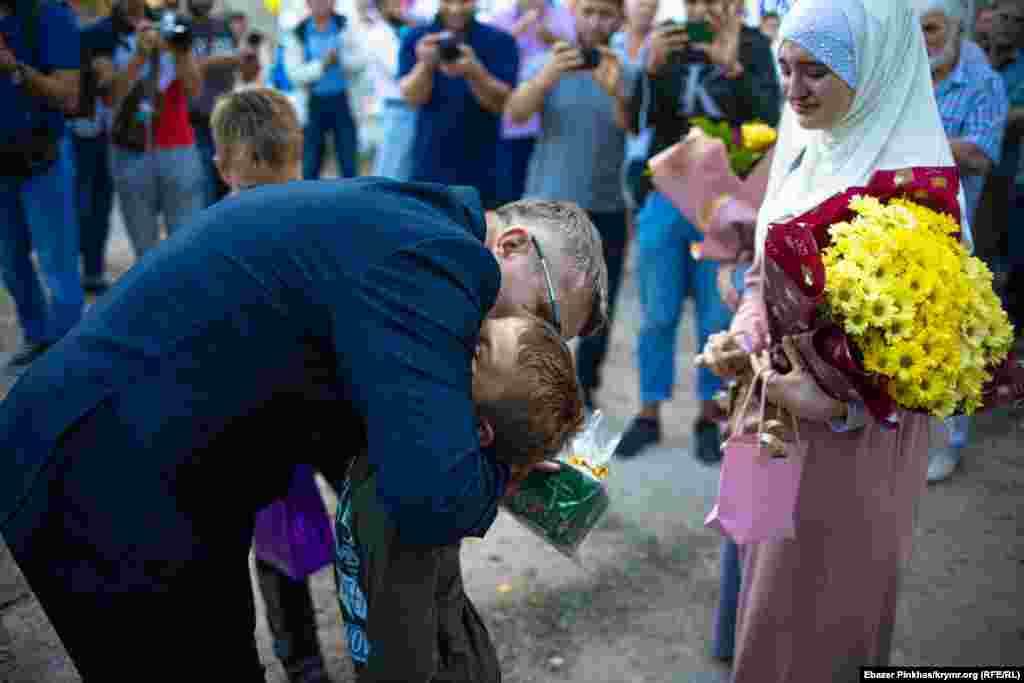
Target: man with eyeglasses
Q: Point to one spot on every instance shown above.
(305, 323)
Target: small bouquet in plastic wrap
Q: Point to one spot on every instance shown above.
(563, 507)
(717, 177)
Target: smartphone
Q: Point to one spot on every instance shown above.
(699, 32)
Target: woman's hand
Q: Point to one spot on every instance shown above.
(796, 391)
(727, 354)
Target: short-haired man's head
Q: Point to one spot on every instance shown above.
(257, 136)
(940, 22)
(533, 404)
(597, 20)
(573, 249)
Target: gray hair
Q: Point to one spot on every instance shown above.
(953, 10)
(569, 227)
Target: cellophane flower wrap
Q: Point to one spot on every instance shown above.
(890, 307)
(563, 507)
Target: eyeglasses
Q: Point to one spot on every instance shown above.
(556, 319)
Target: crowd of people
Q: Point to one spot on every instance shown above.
(509, 183)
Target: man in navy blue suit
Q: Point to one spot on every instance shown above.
(139, 448)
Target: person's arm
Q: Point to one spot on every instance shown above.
(411, 382)
(188, 72)
(539, 77)
(977, 149)
(417, 62)
(61, 53)
(489, 91)
(491, 83)
(300, 72)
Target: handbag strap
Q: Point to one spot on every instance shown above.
(738, 416)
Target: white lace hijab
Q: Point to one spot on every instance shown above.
(877, 48)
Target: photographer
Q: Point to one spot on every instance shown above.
(219, 58)
(724, 72)
(39, 81)
(458, 72)
(90, 135)
(574, 91)
(154, 161)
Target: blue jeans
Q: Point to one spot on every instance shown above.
(398, 121)
(667, 275)
(512, 161)
(94, 195)
(38, 213)
(215, 189)
(329, 115)
(167, 181)
(724, 638)
(592, 350)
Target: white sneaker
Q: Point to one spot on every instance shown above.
(942, 462)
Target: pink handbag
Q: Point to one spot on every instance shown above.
(757, 490)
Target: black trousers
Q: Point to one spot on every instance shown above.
(139, 556)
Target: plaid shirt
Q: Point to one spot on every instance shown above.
(973, 104)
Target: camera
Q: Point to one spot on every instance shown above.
(255, 39)
(591, 58)
(448, 49)
(176, 29)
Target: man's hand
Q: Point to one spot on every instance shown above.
(797, 391)
(149, 40)
(724, 50)
(466, 66)
(521, 472)
(665, 41)
(564, 58)
(526, 22)
(608, 73)
(427, 51)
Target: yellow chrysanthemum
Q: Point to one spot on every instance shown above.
(757, 137)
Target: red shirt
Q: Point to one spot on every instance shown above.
(173, 128)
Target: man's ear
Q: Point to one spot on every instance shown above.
(485, 430)
(513, 240)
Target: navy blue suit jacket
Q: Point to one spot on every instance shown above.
(352, 307)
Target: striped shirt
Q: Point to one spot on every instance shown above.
(973, 104)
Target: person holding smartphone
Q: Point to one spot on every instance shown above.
(711, 66)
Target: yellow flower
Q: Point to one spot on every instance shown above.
(881, 310)
(908, 357)
(856, 323)
(757, 137)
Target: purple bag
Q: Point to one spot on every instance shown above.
(294, 534)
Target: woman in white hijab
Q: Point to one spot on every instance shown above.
(859, 99)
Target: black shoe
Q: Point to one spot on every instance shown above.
(95, 285)
(641, 433)
(706, 445)
(24, 356)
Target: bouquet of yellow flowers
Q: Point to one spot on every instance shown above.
(919, 308)
(885, 302)
(745, 145)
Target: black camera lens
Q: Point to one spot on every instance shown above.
(591, 58)
(448, 50)
(255, 39)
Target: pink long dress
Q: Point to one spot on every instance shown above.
(816, 608)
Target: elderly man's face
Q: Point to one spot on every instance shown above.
(941, 37)
(983, 22)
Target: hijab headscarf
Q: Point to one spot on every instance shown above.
(877, 48)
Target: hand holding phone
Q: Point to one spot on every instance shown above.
(669, 38)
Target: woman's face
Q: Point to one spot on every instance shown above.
(819, 97)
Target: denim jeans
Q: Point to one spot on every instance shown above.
(398, 121)
(38, 213)
(592, 350)
(167, 181)
(513, 162)
(94, 196)
(329, 115)
(215, 189)
(667, 274)
(723, 644)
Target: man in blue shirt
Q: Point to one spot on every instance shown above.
(460, 96)
(305, 322)
(321, 55)
(39, 79)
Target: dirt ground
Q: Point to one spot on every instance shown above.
(640, 608)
